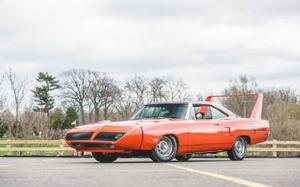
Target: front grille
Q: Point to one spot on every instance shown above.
(79, 136)
(91, 145)
(108, 136)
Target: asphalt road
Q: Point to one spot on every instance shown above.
(84, 172)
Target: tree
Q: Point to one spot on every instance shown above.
(2, 98)
(101, 93)
(75, 86)
(281, 94)
(157, 86)
(70, 117)
(110, 92)
(95, 94)
(282, 109)
(60, 120)
(3, 127)
(34, 123)
(42, 93)
(138, 86)
(241, 105)
(176, 90)
(124, 106)
(18, 91)
(57, 119)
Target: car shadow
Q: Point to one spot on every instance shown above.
(136, 161)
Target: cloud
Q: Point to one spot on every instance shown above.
(206, 43)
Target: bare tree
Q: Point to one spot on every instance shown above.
(241, 105)
(281, 94)
(34, 124)
(110, 93)
(94, 94)
(102, 93)
(157, 86)
(176, 90)
(2, 98)
(18, 91)
(90, 108)
(138, 86)
(124, 106)
(284, 120)
(75, 85)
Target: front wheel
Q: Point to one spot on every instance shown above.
(165, 150)
(238, 150)
(104, 157)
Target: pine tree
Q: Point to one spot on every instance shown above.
(42, 93)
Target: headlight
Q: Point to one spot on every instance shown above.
(109, 136)
(118, 136)
(79, 136)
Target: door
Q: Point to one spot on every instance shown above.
(210, 132)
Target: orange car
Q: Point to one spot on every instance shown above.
(164, 131)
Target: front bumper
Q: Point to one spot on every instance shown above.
(88, 141)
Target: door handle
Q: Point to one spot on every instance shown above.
(216, 124)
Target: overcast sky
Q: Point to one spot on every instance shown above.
(206, 43)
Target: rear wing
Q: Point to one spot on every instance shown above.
(257, 109)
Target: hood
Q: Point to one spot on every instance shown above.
(123, 124)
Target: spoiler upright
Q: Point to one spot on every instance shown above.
(257, 109)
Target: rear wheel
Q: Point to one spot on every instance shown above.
(183, 158)
(104, 157)
(238, 150)
(165, 150)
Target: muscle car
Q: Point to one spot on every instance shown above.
(164, 131)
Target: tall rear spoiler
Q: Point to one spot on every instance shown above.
(257, 109)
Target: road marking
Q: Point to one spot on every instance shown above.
(219, 176)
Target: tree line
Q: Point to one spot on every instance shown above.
(77, 96)
(80, 96)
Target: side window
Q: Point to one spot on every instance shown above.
(209, 112)
(204, 110)
(216, 114)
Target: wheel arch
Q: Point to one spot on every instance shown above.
(173, 135)
(247, 138)
(158, 156)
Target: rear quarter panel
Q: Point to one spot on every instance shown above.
(261, 131)
(257, 130)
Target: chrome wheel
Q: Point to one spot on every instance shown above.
(165, 150)
(240, 147)
(238, 150)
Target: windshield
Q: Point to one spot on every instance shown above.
(176, 111)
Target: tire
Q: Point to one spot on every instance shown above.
(183, 158)
(165, 150)
(104, 157)
(238, 150)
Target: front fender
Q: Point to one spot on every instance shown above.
(132, 140)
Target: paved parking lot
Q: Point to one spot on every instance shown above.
(142, 172)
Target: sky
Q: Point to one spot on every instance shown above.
(205, 43)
